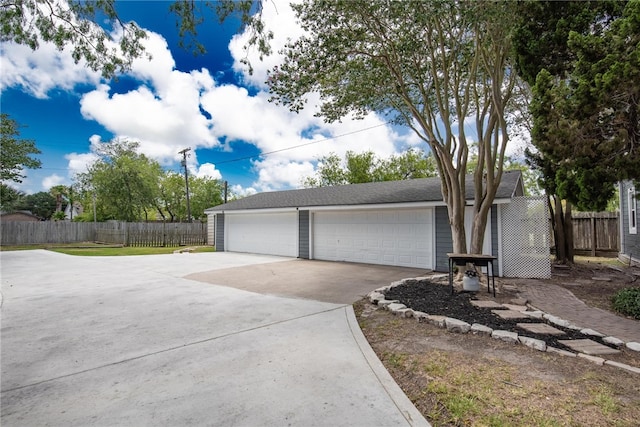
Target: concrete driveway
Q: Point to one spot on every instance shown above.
(92, 341)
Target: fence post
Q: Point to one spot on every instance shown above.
(594, 233)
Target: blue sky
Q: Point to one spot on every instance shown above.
(177, 100)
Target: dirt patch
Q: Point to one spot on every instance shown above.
(459, 380)
(465, 379)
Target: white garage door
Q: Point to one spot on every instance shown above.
(265, 233)
(389, 237)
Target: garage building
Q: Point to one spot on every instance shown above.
(401, 223)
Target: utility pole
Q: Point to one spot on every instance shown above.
(186, 180)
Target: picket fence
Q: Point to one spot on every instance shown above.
(111, 232)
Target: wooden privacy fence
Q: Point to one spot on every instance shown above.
(26, 233)
(112, 232)
(152, 234)
(596, 233)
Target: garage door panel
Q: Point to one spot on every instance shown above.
(401, 238)
(272, 234)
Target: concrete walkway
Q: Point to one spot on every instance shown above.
(563, 303)
(128, 341)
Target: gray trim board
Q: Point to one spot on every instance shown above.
(443, 239)
(303, 234)
(219, 238)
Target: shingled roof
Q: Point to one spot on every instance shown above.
(407, 191)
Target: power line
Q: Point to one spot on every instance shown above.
(255, 156)
(300, 145)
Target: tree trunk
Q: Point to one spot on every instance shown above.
(563, 231)
(478, 228)
(568, 232)
(558, 231)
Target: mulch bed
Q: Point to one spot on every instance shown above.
(436, 299)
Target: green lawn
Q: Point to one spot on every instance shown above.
(101, 250)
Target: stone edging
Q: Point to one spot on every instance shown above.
(455, 325)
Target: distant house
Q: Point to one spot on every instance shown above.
(403, 223)
(22, 216)
(629, 236)
(69, 214)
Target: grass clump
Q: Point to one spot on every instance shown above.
(627, 302)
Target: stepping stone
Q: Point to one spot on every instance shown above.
(485, 304)
(519, 301)
(588, 347)
(510, 314)
(540, 328)
(515, 307)
(601, 278)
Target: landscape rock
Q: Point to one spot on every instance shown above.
(455, 325)
(556, 320)
(385, 302)
(536, 314)
(420, 316)
(533, 343)
(394, 307)
(436, 320)
(613, 341)
(405, 312)
(477, 328)
(635, 346)
(506, 336)
(591, 332)
(375, 296)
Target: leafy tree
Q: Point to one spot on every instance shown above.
(60, 193)
(367, 167)
(9, 198)
(409, 165)
(95, 33)
(41, 204)
(430, 65)
(78, 25)
(204, 193)
(583, 66)
(124, 182)
(15, 153)
(172, 203)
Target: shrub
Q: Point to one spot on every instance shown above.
(627, 302)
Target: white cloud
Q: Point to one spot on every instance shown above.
(207, 170)
(164, 112)
(52, 181)
(277, 174)
(37, 72)
(80, 163)
(240, 191)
